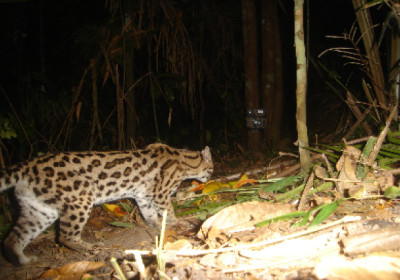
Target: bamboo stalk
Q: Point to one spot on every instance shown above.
(301, 89)
(374, 61)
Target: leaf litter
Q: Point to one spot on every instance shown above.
(335, 221)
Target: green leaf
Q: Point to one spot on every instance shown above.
(386, 163)
(6, 130)
(290, 194)
(189, 212)
(393, 137)
(7, 134)
(280, 184)
(392, 148)
(214, 207)
(201, 215)
(122, 224)
(306, 217)
(282, 218)
(243, 197)
(303, 221)
(362, 170)
(392, 192)
(125, 207)
(322, 187)
(338, 148)
(320, 151)
(4, 229)
(324, 213)
(190, 202)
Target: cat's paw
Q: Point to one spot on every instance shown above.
(80, 245)
(24, 260)
(98, 244)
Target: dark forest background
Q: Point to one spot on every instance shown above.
(79, 75)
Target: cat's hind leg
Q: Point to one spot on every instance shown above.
(35, 217)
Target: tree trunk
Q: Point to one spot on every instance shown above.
(272, 83)
(301, 89)
(249, 21)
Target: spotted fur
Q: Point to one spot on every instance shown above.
(67, 185)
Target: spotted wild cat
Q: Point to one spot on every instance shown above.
(66, 185)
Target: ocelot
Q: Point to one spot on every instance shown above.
(66, 185)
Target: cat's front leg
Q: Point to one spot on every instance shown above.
(165, 205)
(148, 212)
(72, 221)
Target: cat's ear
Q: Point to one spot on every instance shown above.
(206, 154)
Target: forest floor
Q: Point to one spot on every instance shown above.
(228, 245)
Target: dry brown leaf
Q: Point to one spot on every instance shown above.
(320, 172)
(375, 182)
(217, 237)
(74, 270)
(178, 245)
(347, 167)
(169, 235)
(52, 272)
(242, 216)
(87, 276)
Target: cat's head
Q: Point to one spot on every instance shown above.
(202, 168)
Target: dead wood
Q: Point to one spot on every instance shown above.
(372, 241)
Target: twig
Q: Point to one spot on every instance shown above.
(346, 219)
(341, 180)
(394, 171)
(17, 117)
(294, 168)
(328, 165)
(357, 113)
(305, 191)
(371, 101)
(193, 252)
(117, 268)
(257, 170)
(291, 170)
(282, 154)
(356, 141)
(140, 265)
(160, 245)
(358, 122)
(382, 136)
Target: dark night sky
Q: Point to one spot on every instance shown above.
(70, 25)
(63, 22)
